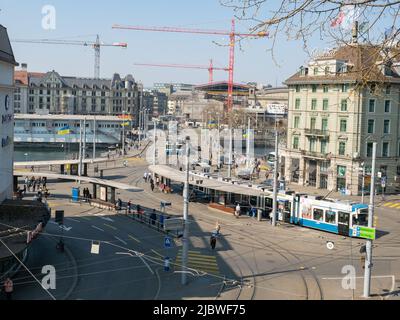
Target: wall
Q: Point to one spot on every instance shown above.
(6, 130)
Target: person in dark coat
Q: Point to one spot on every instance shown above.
(213, 242)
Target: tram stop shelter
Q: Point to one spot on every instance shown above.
(103, 191)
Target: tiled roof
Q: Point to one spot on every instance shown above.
(6, 52)
(365, 60)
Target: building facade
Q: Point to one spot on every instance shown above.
(339, 105)
(55, 94)
(7, 64)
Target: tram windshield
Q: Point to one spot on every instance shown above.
(361, 218)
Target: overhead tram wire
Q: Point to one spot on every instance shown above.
(27, 269)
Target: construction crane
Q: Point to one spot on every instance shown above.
(210, 68)
(96, 45)
(232, 37)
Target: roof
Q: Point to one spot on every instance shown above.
(6, 52)
(100, 182)
(365, 60)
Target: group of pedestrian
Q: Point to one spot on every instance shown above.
(33, 184)
(86, 194)
(147, 177)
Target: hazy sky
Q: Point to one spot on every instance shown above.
(82, 20)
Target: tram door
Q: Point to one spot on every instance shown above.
(344, 223)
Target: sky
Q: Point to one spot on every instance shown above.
(82, 20)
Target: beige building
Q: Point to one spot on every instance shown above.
(338, 105)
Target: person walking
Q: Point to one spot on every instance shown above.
(152, 186)
(237, 211)
(217, 227)
(145, 176)
(129, 206)
(8, 288)
(213, 242)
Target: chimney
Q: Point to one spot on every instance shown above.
(355, 32)
(24, 67)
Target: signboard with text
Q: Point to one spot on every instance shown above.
(364, 232)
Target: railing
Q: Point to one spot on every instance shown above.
(317, 132)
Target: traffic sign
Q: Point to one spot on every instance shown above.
(365, 232)
(167, 242)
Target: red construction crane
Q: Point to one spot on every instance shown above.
(210, 68)
(232, 36)
(95, 44)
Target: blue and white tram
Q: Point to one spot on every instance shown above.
(331, 216)
(326, 215)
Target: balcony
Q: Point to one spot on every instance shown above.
(316, 155)
(317, 133)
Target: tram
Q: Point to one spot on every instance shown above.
(334, 216)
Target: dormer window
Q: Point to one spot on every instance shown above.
(327, 70)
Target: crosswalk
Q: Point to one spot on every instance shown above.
(392, 205)
(199, 262)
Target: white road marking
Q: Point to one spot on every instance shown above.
(107, 219)
(120, 240)
(98, 228)
(73, 220)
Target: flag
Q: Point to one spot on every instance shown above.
(64, 131)
(125, 124)
(338, 20)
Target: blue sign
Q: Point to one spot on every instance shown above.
(166, 264)
(167, 242)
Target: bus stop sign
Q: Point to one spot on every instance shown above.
(365, 232)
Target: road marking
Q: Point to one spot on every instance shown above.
(393, 205)
(199, 262)
(73, 220)
(133, 238)
(85, 218)
(120, 240)
(373, 277)
(98, 228)
(107, 219)
(107, 225)
(398, 205)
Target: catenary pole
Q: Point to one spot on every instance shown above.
(230, 154)
(155, 143)
(276, 163)
(80, 148)
(368, 258)
(94, 138)
(185, 239)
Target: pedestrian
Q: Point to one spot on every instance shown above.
(152, 186)
(213, 242)
(237, 211)
(8, 288)
(129, 206)
(26, 181)
(119, 204)
(145, 176)
(217, 227)
(153, 217)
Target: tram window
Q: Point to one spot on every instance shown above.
(318, 214)
(343, 218)
(361, 219)
(330, 217)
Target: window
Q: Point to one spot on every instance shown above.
(325, 89)
(312, 144)
(297, 103)
(313, 104)
(330, 217)
(387, 106)
(296, 122)
(343, 105)
(318, 215)
(325, 104)
(327, 71)
(324, 147)
(388, 90)
(385, 149)
(314, 88)
(343, 125)
(342, 148)
(369, 149)
(315, 71)
(296, 143)
(313, 122)
(386, 126)
(371, 107)
(324, 125)
(371, 126)
(345, 87)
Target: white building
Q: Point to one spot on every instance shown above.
(338, 105)
(7, 64)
